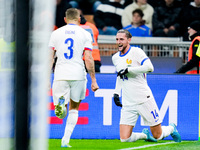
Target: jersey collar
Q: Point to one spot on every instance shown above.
(71, 24)
(125, 53)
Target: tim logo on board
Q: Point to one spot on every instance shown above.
(169, 103)
(177, 97)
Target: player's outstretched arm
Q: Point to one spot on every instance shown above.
(145, 68)
(117, 86)
(89, 62)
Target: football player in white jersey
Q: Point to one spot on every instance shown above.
(132, 64)
(69, 86)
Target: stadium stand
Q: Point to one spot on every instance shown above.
(171, 53)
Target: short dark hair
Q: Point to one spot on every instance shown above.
(139, 11)
(128, 34)
(72, 14)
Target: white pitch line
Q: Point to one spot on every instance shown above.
(145, 146)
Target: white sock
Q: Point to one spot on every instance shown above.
(166, 131)
(71, 122)
(134, 137)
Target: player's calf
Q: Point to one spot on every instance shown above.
(149, 137)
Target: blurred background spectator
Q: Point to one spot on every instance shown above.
(73, 3)
(155, 3)
(87, 6)
(127, 2)
(108, 17)
(144, 6)
(185, 2)
(189, 14)
(137, 27)
(165, 19)
(61, 7)
(92, 29)
(193, 58)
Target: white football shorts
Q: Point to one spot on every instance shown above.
(74, 89)
(148, 111)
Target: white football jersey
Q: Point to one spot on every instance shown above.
(135, 89)
(70, 41)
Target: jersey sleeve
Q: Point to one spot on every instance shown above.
(114, 59)
(52, 41)
(141, 56)
(88, 42)
(117, 86)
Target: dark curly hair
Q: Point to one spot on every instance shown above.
(139, 11)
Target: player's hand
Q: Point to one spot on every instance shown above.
(122, 73)
(116, 100)
(94, 86)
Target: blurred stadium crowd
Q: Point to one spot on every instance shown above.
(142, 18)
(165, 18)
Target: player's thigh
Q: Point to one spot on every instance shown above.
(61, 88)
(128, 119)
(150, 113)
(78, 90)
(129, 116)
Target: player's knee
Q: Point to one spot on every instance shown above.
(125, 139)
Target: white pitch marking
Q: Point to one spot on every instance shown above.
(145, 146)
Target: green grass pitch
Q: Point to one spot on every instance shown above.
(91, 144)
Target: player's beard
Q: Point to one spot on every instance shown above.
(124, 48)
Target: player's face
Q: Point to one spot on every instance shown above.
(122, 42)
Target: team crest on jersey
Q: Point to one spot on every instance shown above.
(128, 61)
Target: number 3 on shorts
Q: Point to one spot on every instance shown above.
(69, 42)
